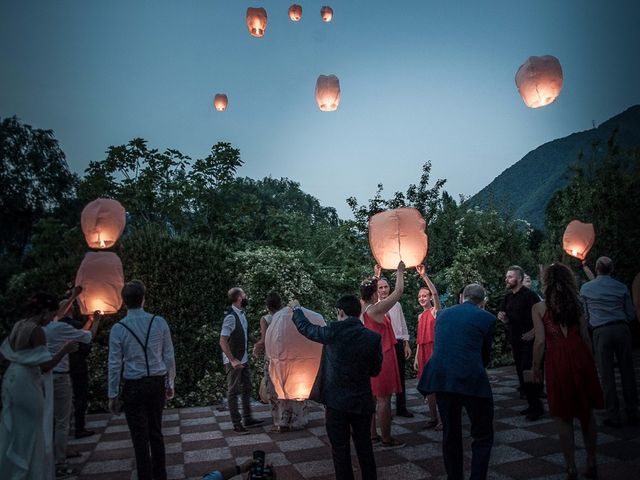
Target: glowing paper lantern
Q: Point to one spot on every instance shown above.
(295, 12)
(220, 102)
(101, 278)
(102, 222)
(578, 239)
(397, 235)
(328, 92)
(293, 359)
(326, 13)
(256, 21)
(539, 80)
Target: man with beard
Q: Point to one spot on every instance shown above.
(234, 345)
(515, 312)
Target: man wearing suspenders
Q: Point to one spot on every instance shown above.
(141, 342)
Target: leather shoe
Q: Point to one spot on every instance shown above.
(253, 422)
(84, 433)
(405, 413)
(240, 430)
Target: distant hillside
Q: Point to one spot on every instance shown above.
(524, 189)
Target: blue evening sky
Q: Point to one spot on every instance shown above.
(420, 80)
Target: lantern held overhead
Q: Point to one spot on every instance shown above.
(220, 102)
(102, 222)
(256, 21)
(101, 278)
(396, 235)
(293, 359)
(295, 12)
(328, 92)
(539, 80)
(326, 13)
(578, 239)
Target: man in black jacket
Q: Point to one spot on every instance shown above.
(352, 354)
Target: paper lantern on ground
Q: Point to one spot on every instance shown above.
(397, 235)
(326, 13)
(539, 80)
(256, 21)
(101, 278)
(293, 359)
(295, 12)
(102, 222)
(578, 239)
(220, 102)
(328, 92)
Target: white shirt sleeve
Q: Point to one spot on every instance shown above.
(76, 335)
(228, 325)
(168, 355)
(115, 361)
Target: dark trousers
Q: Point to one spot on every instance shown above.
(401, 399)
(80, 385)
(340, 426)
(480, 412)
(238, 384)
(143, 402)
(523, 355)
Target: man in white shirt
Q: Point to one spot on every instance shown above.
(403, 349)
(141, 342)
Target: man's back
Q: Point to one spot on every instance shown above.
(607, 300)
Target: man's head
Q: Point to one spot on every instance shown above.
(604, 266)
(237, 297)
(383, 288)
(348, 306)
(424, 297)
(526, 281)
(133, 294)
(474, 293)
(514, 277)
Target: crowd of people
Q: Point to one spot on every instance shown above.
(567, 339)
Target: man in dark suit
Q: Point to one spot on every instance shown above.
(456, 374)
(352, 354)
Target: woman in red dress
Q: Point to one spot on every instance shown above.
(573, 388)
(430, 303)
(387, 382)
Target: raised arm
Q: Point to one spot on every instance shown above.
(380, 309)
(38, 338)
(587, 271)
(422, 271)
(315, 333)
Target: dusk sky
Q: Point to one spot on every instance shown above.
(420, 80)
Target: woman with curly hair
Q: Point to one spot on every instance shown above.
(573, 388)
(374, 317)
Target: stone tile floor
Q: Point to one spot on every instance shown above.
(201, 439)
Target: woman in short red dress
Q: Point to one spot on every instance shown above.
(387, 382)
(573, 388)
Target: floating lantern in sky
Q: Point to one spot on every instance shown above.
(326, 13)
(328, 92)
(293, 359)
(396, 235)
(101, 278)
(220, 102)
(539, 80)
(102, 222)
(295, 12)
(578, 239)
(256, 21)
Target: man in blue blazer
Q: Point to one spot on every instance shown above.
(352, 354)
(456, 374)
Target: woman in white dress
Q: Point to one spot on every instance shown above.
(24, 433)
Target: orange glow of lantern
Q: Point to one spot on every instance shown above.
(539, 80)
(326, 13)
(396, 235)
(220, 102)
(102, 222)
(101, 278)
(295, 12)
(328, 92)
(256, 21)
(578, 239)
(293, 359)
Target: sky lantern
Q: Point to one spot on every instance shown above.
(328, 92)
(539, 80)
(326, 13)
(295, 12)
(102, 222)
(101, 278)
(293, 359)
(396, 235)
(578, 239)
(220, 102)
(256, 21)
